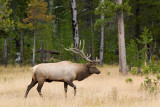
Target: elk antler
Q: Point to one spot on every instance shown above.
(77, 50)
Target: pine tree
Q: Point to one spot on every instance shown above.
(5, 24)
(37, 13)
(146, 39)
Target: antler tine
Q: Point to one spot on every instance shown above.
(83, 45)
(80, 44)
(75, 45)
(97, 60)
(77, 49)
(83, 55)
(89, 56)
(72, 45)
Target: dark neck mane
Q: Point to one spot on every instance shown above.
(82, 73)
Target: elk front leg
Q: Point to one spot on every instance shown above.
(65, 88)
(72, 85)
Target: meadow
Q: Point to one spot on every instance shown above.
(108, 89)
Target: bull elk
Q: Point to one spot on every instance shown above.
(64, 71)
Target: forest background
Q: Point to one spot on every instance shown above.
(51, 27)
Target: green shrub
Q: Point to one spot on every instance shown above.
(150, 85)
(129, 80)
(133, 71)
(145, 70)
(108, 73)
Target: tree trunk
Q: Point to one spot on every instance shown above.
(5, 52)
(101, 41)
(59, 35)
(74, 26)
(45, 49)
(34, 48)
(41, 49)
(121, 38)
(145, 62)
(74, 23)
(21, 48)
(92, 38)
(92, 29)
(10, 49)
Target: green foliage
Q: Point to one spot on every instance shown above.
(133, 71)
(131, 52)
(108, 73)
(150, 85)
(5, 22)
(144, 14)
(109, 8)
(106, 8)
(101, 23)
(129, 80)
(37, 13)
(158, 77)
(145, 37)
(5, 79)
(154, 68)
(145, 70)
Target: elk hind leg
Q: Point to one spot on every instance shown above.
(32, 84)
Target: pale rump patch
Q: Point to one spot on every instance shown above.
(33, 69)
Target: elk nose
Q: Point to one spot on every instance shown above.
(98, 72)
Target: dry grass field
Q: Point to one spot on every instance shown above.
(101, 90)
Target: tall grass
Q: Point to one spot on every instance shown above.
(107, 89)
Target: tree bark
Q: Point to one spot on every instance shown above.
(121, 38)
(92, 29)
(145, 62)
(45, 49)
(74, 23)
(92, 38)
(21, 47)
(60, 43)
(101, 41)
(5, 52)
(59, 34)
(74, 26)
(41, 48)
(34, 47)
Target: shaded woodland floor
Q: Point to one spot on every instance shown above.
(103, 90)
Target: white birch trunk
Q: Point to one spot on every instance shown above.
(74, 22)
(101, 41)
(121, 38)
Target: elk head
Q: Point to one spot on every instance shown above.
(92, 68)
(92, 63)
